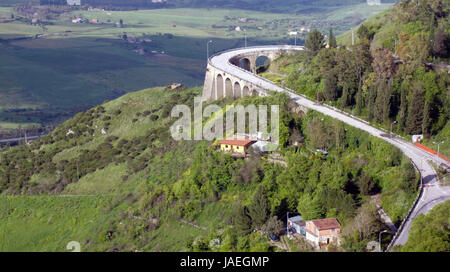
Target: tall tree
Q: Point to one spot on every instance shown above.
(441, 43)
(330, 84)
(259, 209)
(426, 123)
(359, 102)
(415, 114)
(241, 220)
(371, 98)
(383, 101)
(315, 41)
(273, 226)
(345, 98)
(403, 114)
(383, 64)
(348, 75)
(364, 32)
(332, 39)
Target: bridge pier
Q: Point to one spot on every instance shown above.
(219, 84)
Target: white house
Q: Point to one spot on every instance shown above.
(323, 232)
(297, 225)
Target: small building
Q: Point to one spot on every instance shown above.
(263, 147)
(243, 20)
(417, 138)
(77, 20)
(74, 2)
(175, 86)
(321, 232)
(236, 146)
(296, 225)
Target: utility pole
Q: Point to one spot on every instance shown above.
(287, 224)
(395, 47)
(78, 173)
(438, 143)
(379, 239)
(207, 49)
(245, 35)
(390, 132)
(353, 36)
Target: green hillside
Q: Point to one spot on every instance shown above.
(430, 232)
(136, 189)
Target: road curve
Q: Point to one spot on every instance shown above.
(432, 193)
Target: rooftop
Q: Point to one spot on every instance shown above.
(296, 218)
(327, 223)
(237, 142)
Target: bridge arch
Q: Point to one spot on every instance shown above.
(245, 91)
(245, 64)
(219, 92)
(237, 90)
(228, 88)
(262, 64)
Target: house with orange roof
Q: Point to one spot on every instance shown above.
(235, 145)
(322, 232)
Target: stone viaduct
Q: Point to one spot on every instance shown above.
(220, 83)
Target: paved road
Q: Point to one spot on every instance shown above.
(433, 193)
(5, 141)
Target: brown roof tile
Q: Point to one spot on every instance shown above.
(237, 142)
(327, 223)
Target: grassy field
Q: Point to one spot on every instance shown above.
(48, 223)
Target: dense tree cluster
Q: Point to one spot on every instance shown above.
(389, 83)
